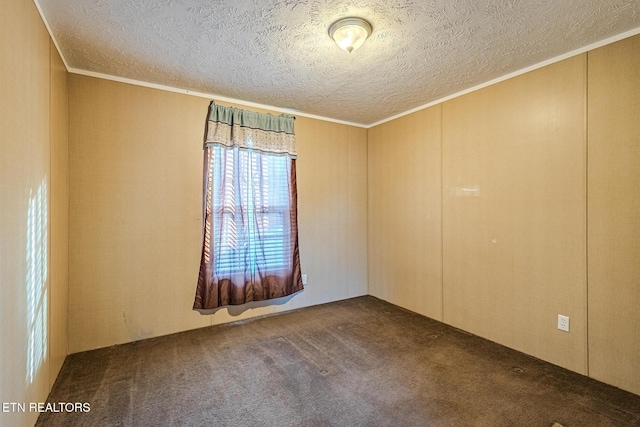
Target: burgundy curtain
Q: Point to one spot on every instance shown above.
(250, 246)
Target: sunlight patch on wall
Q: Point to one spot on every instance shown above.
(37, 270)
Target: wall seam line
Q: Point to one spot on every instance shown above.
(366, 250)
(349, 229)
(68, 185)
(50, 231)
(442, 210)
(586, 213)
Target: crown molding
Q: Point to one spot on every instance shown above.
(559, 58)
(562, 57)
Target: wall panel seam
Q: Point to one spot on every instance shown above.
(586, 210)
(441, 212)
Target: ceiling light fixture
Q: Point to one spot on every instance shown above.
(350, 33)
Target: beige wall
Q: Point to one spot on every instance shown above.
(514, 195)
(477, 212)
(332, 208)
(59, 316)
(514, 213)
(405, 234)
(32, 224)
(135, 158)
(131, 214)
(614, 214)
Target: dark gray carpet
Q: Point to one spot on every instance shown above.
(359, 362)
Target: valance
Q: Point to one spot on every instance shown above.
(233, 127)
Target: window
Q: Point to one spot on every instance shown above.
(251, 215)
(250, 235)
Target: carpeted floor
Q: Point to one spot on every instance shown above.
(359, 362)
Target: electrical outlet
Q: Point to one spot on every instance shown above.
(304, 279)
(563, 323)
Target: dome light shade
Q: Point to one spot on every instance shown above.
(350, 33)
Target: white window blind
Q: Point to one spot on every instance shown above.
(251, 211)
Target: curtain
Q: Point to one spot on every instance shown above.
(250, 233)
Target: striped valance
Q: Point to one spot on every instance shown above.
(233, 127)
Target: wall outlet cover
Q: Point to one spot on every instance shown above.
(563, 323)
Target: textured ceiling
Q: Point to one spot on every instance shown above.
(278, 52)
